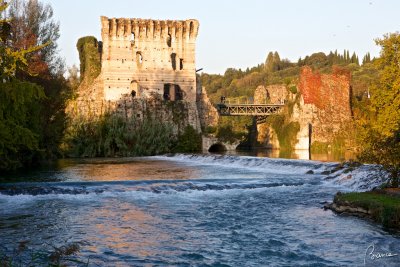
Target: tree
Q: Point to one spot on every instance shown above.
(366, 58)
(32, 24)
(318, 60)
(19, 104)
(272, 63)
(354, 59)
(380, 130)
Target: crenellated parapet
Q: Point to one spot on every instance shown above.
(186, 30)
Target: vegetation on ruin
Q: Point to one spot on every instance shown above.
(89, 56)
(285, 129)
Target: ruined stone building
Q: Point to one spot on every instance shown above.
(322, 111)
(144, 66)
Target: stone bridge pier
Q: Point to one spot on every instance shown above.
(213, 144)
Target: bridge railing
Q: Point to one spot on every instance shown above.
(248, 101)
(239, 101)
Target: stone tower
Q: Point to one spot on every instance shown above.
(145, 57)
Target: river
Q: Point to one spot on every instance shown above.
(193, 210)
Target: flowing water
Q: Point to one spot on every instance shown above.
(194, 210)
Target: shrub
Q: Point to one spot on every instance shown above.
(189, 141)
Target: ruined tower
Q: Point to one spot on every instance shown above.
(145, 57)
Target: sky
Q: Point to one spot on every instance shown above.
(240, 33)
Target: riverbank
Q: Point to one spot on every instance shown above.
(381, 206)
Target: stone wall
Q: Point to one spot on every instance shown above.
(208, 114)
(266, 137)
(277, 93)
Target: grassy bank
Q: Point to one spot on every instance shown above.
(382, 206)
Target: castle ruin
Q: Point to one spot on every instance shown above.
(141, 68)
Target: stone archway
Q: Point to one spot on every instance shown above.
(218, 147)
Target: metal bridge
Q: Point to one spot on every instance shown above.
(259, 111)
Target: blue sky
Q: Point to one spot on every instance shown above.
(238, 33)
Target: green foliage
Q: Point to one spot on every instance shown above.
(189, 141)
(20, 126)
(178, 109)
(338, 145)
(366, 58)
(226, 134)
(210, 130)
(293, 89)
(30, 133)
(318, 147)
(285, 130)
(379, 132)
(384, 208)
(89, 56)
(112, 135)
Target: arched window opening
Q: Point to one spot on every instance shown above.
(169, 40)
(173, 61)
(132, 39)
(181, 64)
(139, 58)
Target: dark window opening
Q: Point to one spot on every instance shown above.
(169, 40)
(132, 39)
(217, 148)
(191, 28)
(181, 64)
(139, 58)
(172, 92)
(134, 89)
(173, 61)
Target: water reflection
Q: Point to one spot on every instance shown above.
(125, 229)
(303, 154)
(103, 169)
(124, 170)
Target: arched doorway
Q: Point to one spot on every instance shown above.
(217, 148)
